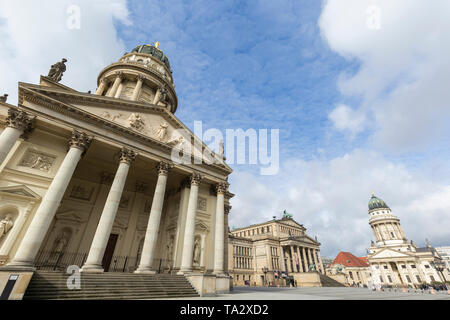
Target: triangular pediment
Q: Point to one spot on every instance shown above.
(389, 253)
(20, 190)
(200, 225)
(152, 122)
(292, 222)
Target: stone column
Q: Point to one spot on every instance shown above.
(305, 259)
(320, 262)
(300, 260)
(160, 95)
(101, 88)
(308, 251)
(189, 233)
(289, 265)
(116, 83)
(137, 88)
(94, 260)
(316, 262)
(17, 122)
(202, 253)
(151, 235)
(119, 90)
(44, 215)
(294, 267)
(219, 251)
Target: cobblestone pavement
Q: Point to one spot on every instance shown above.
(324, 293)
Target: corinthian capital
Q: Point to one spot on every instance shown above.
(127, 156)
(119, 74)
(222, 187)
(80, 140)
(18, 119)
(164, 167)
(227, 209)
(196, 178)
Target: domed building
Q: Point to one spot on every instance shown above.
(112, 182)
(393, 259)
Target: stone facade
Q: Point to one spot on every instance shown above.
(273, 252)
(93, 182)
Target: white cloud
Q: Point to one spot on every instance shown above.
(35, 35)
(346, 119)
(404, 68)
(330, 198)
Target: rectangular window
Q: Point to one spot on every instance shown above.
(385, 267)
(390, 279)
(408, 278)
(403, 266)
(427, 266)
(418, 278)
(413, 266)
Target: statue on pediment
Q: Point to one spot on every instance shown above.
(57, 70)
(162, 131)
(136, 122)
(177, 142)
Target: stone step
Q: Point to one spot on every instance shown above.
(53, 285)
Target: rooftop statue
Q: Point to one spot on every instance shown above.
(57, 70)
(4, 98)
(286, 215)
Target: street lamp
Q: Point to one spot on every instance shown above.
(439, 266)
(264, 270)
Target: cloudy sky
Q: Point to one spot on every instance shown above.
(361, 103)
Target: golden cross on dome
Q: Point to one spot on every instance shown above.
(373, 194)
(157, 44)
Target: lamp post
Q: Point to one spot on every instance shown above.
(439, 266)
(264, 270)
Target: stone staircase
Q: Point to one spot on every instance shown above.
(108, 286)
(328, 282)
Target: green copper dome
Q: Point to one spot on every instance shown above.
(377, 203)
(153, 51)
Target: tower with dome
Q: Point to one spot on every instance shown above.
(393, 259)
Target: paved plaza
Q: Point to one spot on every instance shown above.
(323, 293)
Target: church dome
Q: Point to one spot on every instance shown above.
(155, 52)
(377, 203)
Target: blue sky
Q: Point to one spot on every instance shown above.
(358, 109)
(248, 65)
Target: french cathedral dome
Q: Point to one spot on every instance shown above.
(377, 203)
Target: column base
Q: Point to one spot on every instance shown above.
(219, 273)
(92, 269)
(145, 271)
(184, 271)
(19, 266)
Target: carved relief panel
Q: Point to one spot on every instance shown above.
(37, 160)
